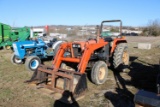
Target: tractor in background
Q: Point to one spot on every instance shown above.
(32, 51)
(68, 70)
(9, 35)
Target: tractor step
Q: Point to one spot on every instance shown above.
(59, 80)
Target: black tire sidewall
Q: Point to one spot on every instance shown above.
(118, 57)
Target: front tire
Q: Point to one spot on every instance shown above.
(99, 72)
(32, 63)
(15, 60)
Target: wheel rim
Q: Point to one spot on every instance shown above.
(102, 72)
(125, 57)
(8, 47)
(34, 64)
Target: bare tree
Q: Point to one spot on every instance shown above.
(153, 28)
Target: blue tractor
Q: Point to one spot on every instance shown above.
(32, 51)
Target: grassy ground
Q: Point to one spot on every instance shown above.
(120, 88)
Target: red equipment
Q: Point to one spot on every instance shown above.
(69, 66)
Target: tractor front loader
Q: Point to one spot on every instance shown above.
(68, 71)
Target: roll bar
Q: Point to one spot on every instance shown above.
(108, 21)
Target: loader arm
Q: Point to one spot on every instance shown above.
(60, 56)
(90, 48)
(110, 21)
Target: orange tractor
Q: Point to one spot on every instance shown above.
(72, 60)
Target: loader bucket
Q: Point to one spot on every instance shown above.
(59, 80)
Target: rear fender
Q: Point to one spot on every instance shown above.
(115, 43)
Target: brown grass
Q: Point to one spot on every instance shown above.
(15, 93)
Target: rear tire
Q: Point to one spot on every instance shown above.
(121, 57)
(99, 72)
(15, 60)
(32, 63)
(57, 48)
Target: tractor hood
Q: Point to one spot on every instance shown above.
(82, 44)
